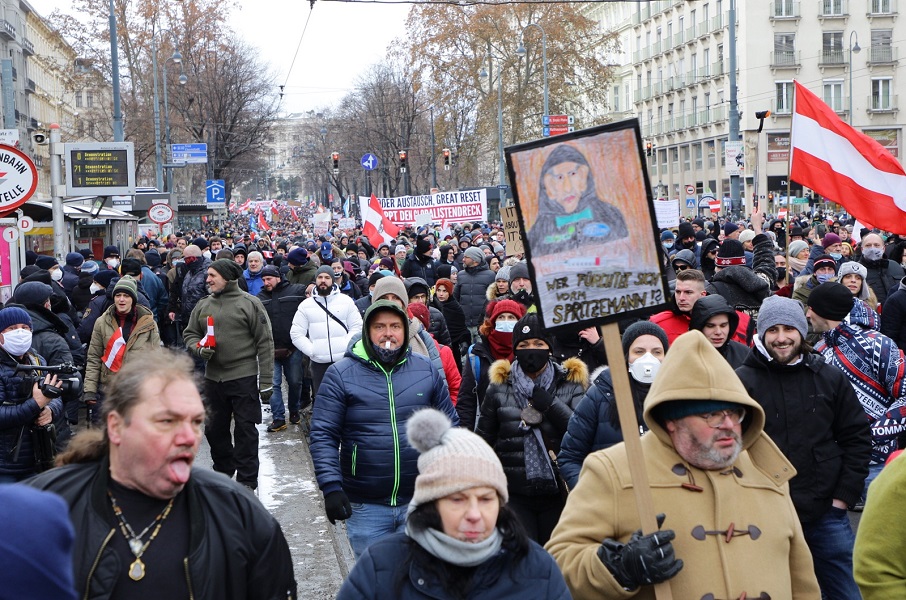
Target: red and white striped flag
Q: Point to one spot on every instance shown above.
(262, 223)
(845, 165)
(115, 351)
(377, 228)
(208, 341)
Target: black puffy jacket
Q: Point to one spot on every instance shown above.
(501, 415)
(883, 277)
(812, 414)
(281, 305)
(471, 287)
(236, 548)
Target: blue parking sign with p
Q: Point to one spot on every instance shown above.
(216, 191)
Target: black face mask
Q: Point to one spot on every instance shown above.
(532, 360)
(523, 297)
(781, 273)
(388, 357)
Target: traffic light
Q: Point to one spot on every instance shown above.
(648, 148)
(446, 159)
(336, 163)
(403, 156)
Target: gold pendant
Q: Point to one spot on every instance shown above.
(137, 570)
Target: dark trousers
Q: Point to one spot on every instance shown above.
(235, 401)
(538, 514)
(317, 375)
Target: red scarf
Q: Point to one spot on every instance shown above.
(501, 345)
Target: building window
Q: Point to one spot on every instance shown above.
(783, 101)
(881, 46)
(833, 94)
(616, 98)
(880, 7)
(784, 48)
(78, 98)
(723, 152)
(89, 99)
(687, 165)
(697, 151)
(674, 158)
(832, 7)
(712, 154)
(881, 98)
(784, 8)
(832, 47)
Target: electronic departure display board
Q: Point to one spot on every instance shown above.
(100, 169)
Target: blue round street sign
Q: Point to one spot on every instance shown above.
(369, 162)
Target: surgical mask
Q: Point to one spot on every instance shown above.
(873, 253)
(206, 254)
(113, 262)
(667, 245)
(824, 277)
(836, 255)
(95, 288)
(56, 274)
(645, 368)
(178, 261)
(532, 360)
(17, 341)
(505, 326)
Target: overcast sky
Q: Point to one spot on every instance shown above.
(341, 41)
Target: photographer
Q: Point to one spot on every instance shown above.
(25, 411)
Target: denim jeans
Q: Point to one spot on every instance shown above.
(831, 540)
(873, 471)
(291, 368)
(371, 522)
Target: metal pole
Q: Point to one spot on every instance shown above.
(157, 155)
(167, 129)
(734, 110)
(433, 158)
(118, 134)
(500, 124)
(852, 49)
(60, 246)
(544, 60)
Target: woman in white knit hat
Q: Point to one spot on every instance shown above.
(461, 539)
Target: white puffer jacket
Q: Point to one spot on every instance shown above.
(318, 335)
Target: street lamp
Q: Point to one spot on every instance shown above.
(853, 49)
(176, 58)
(433, 158)
(485, 74)
(521, 52)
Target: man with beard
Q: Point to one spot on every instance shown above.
(815, 418)
(324, 324)
(211, 539)
(231, 332)
(718, 477)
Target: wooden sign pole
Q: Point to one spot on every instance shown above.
(628, 424)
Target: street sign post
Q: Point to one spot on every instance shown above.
(18, 178)
(191, 154)
(556, 120)
(690, 190)
(369, 162)
(549, 131)
(100, 169)
(160, 213)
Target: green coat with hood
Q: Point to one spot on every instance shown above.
(766, 554)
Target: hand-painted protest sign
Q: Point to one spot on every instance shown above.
(667, 212)
(321, 222)
(511, 229)
(584, 203)
(346, 223)
(444, 207)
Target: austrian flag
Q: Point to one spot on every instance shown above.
(208, 341)
(378, 228)
(115, 351)
(845, 165)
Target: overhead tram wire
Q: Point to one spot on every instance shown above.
(296, 55)
(466, 3)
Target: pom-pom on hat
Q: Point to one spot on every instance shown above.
(452, 459)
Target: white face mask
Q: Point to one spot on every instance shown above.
(206, 254)
(505, 326)
(95, 288)
(56, 274)
(113, 262)
(17, 341)
(645, 368)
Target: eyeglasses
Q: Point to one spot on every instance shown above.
(679, 268)
(716, 418)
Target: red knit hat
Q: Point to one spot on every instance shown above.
(495, 309)
(420, 312)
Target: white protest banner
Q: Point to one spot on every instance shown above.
(667, 212)
(321, 222)
(346, 223)
(511, 228)
(443, 207)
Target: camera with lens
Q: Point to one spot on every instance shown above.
(68, 374)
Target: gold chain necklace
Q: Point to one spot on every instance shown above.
(137, 568)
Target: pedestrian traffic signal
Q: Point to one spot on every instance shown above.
(648, 149)
(336, 163)
(403, 156)
(446, 159)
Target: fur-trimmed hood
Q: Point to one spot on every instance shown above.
(572, 370)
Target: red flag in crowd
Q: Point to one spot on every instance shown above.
(293, 210)
(845, 165)
(378, 228)
(262, 222)
(208, 341)
(115, 351)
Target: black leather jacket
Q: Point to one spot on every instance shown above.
(236, 548)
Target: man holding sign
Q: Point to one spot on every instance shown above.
(721, 481)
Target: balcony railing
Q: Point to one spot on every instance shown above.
(30, 86)
(884, 103)
(28, 48)
(690, 34)
(833, 9)
(717, 22)
(879, 55)
(717, 68)
(784, 108)
(832, 57)
(785, 9)
(785, 58)
(882, 8)
(7, 30)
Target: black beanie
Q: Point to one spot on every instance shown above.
(685, 230)
(529, 327)
(731, 253)
(831, 300)
(228, 269)
(640, 328)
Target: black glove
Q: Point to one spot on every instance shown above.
(541, 399)
(644, 560)
(337, 507)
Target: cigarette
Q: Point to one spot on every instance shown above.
(387, 345)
